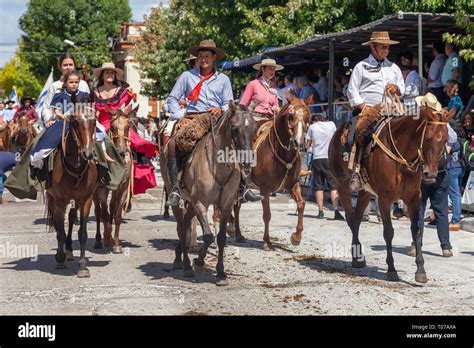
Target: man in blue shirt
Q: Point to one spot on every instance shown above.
(453, 68)
(207, 92)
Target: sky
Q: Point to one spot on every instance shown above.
(11, 11)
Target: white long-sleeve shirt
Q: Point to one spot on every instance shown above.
(56, 86)
(369, 79)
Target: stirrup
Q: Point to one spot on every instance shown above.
(253, 197)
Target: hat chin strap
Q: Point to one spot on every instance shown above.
(375, 53)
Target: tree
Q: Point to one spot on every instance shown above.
(89, 24)
(17, 72)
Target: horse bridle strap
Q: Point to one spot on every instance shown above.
(411, 166)
(288, 165)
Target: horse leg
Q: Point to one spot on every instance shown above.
(239, 238)
(85, 209)
(178, 263)
(97, 212)
(416, 226)
(71, 218)
(105, 215)
(208, 237)
(185, 220)
(384, 206)
(57, 215)
(117, 248)
(221, 277)
(358, 258)
(267, 215)
(296, 193)
(166, 214)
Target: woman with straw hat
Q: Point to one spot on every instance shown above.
(262, 91)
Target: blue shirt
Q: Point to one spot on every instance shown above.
(62, 100)
(7, 161)
(455, 101)
(453, 62)
(436, 69)
(215, 93)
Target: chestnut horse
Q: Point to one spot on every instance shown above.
(119, 132)
(209, 179)
(73, 180)
(408, 151)
(279, 164)
(23, 132)
(5, 131)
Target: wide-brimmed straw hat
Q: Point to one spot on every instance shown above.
(268, 62)
(430, 101)
(380, 37)
(207, 45)
(109, 66)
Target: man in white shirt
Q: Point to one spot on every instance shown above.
(318, 139)
(369, 80)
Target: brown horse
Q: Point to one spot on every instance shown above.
(408, 150)
(5, 131)
(119, 132)
(211, 178)
(23, 132)
(73, 180)
(279, 164)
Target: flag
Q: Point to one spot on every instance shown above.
(44, 92)
(14, 97)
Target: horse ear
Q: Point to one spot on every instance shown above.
(309, 100)
(290, 95)
(233, 106)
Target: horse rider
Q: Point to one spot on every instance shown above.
(28, 107)
(207, 92)
(9, 111)
(369, 81)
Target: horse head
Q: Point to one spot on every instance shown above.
(119, 130)
(435, 137)
(23, 124)
(299, 116)
(242, 128)
(83, 124)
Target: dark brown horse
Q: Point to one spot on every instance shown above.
(279, 164)
(73, 180)
(211, 178)
(23, 132)
(408, 150)
(119, 132)
(5, 131)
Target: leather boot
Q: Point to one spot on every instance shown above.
(174, 196)
(246, 194)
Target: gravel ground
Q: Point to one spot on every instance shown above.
(314, 278)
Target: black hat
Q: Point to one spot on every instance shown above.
(25, 98)
(9, 101)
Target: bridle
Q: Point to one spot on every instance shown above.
(414, 165)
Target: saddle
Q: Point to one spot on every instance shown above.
(364, 127)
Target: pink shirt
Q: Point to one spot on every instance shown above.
(264, 98)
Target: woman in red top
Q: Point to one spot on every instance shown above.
(27, 106)
(111, 94)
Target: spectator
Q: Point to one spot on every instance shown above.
(319, 136)
(7, 162)
(288, 80)
(305, 90)
(452, 91)
(412, 81)
(452, 69)
(455, 172)
(406, 58)
(435, 71)
(322, 85)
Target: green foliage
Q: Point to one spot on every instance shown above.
(17, 72)
(87, 23)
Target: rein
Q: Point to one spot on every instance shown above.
(412, 166)
(291, 146)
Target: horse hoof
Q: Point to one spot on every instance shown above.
(98, 245)
(69, 255)
(83, 273)
(294, 241)
(421, 278)
(222, 281)
(198, 263)
(392, 277)
(231, 230)
(188, 273)
(108, 243)
(358, 264)
(60, 265)
(240, 239)
(178, 265)
(117, 249)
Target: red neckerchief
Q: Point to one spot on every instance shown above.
(194, 95)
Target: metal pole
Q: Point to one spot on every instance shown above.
(420, 52)
(331, 80)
